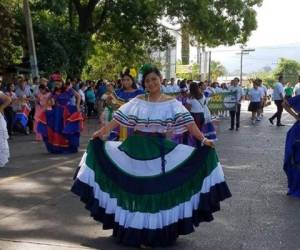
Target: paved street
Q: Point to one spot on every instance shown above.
(37, 210)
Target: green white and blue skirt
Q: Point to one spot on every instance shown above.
(148, 189)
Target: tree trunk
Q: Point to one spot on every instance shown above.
(185, 46)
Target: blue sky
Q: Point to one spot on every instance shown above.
(277, 35)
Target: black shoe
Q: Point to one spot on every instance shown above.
(237, 129)
(231, 129)
(271, 121)
(280, 125)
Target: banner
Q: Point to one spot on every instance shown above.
(222, 101)
(181, 69)
(217, 102)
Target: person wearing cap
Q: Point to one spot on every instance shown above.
(60, 126)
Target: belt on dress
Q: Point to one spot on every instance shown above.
(161, 138)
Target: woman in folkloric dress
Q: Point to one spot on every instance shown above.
(201, 114)
(292, 148)
(4, 149)
(149, 189)
(60, 126)
(42, 103)
(127, 92)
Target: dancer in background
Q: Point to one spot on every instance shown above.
(292, 147)
(201, 114)
(42, 103)
(127, 92)
(149, 189)
(129, 89)
(4, 149)
(183, 98)
(60, 127)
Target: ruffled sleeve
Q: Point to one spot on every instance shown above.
(294, 102)
(154, 117)
(124, 115)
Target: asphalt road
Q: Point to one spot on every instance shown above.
(37, 210)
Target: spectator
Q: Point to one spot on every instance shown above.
(297, 88)
(9, 111)
(90, 99)
(288, 90)
(235, 114)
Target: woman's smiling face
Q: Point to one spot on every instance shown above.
(153, 82)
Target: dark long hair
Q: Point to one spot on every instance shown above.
(127, 73)
(195, 91)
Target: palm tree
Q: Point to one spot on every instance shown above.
(217, 69)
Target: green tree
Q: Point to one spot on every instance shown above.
(289, 69)
(108, 59)
(217, 70)
(185, 46)
(10, 52)
(214, 22)
(268, 78)
(136, 24)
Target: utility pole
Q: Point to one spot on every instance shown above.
(30, 39)
(242, 53)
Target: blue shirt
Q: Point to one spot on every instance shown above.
(90, 96)
(101, 90)
(128, 95)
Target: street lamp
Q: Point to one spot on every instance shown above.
(242, 53)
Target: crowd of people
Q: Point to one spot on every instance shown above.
(162, 126)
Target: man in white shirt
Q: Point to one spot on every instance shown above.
(172, 87)
(278, 93)
(297, 87)
(235, 114)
